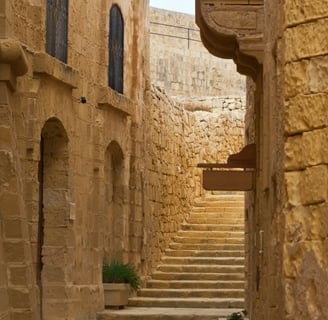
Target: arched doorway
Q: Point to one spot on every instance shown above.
(116, 233)
(53, 225)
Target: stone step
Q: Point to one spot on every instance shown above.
(230, 210)
(200, 268)
(213, 227)
(225, 197)
(204, 264)
(202, 240)
(203, 260)
(206, 246)
(211, 234)
(150, 313)
(199, 219)
(191, 293)
(200, 284)
(219, 204)
(187, 302)
(204, 276)
(205, 253)
(221, 195)
(217, 214)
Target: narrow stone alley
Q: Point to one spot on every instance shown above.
(201, 275)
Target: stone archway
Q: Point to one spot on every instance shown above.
(53, 254)
(116, 205)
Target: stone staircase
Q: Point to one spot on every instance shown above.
(202, 271)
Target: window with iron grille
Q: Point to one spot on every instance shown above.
(57, 28)
(116, 49)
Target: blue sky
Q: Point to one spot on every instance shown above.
(186, 6)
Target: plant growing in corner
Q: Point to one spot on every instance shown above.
(238, 315)
(119, 279)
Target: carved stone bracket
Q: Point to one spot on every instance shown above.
(232, 29)
(109, 98)
(13, 62)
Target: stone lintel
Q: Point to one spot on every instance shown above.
(13, 61)
(233, 29)
(43, 63)
(109, 98)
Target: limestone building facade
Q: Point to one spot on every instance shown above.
(281, 46)
(180, 63)
(95, 163)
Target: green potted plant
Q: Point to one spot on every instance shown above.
(119, 279)
(238, 315)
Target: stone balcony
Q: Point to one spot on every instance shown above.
(233, 29)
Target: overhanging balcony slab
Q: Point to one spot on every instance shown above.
(233, 29)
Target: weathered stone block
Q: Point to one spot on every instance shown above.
(314, 183)
(14, 251)
(19, 298)
(296, 78)
(18, 275)
(23, 315)
(54, 274)
(4, 302)
(297, 48)
(306, 112)
(296, 224)
(292, 180)
(299, 11)
(317, 74)
(315, 147)
(13, 229)
(294, 153)
(317, 222)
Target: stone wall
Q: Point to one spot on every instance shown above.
(55, 151)
(181, 65)
(182, 134)
(306, 125)
(85, 180)
(286, 216)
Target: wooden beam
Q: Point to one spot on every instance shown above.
(228, 180)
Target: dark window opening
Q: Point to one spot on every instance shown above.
(116, 49)
(57, 29)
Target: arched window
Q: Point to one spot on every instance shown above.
(116, 49)
(57, 29)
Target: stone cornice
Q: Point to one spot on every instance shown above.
(43, 63)
(232, 29)
(13, 61)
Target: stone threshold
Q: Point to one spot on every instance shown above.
(166, 313)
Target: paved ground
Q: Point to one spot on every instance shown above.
(198, 313)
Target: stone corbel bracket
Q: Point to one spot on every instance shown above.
(233, 29)
(13, 61)
(110, 99)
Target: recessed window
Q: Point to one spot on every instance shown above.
(116, 49)
(57, 29)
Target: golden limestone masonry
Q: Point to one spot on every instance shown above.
(96, 163)
(101, 133)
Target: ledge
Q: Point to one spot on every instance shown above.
(52, 67)
(109, 98)
(13, 61)
(233, 29)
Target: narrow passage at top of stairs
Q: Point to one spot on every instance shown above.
(202, 269)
